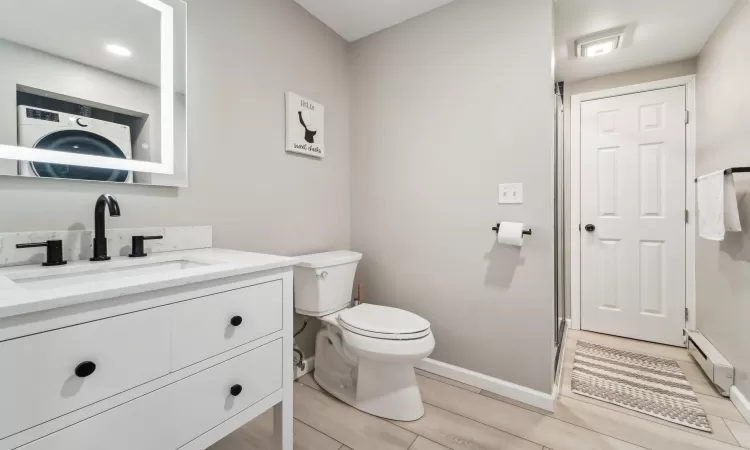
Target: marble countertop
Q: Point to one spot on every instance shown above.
(33, 288)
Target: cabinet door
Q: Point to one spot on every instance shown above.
(176, 414)
(207, 326)
(41, 378)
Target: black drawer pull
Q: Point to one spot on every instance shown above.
(236, 321)
(235, 390)
(85, 369)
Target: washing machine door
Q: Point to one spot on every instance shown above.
(81, 142)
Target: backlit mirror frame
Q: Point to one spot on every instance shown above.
(166, 166)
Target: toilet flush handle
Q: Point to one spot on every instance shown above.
(323, 275)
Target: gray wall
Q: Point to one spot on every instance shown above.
(445, 107)
(638, 76)
(723, 269)
(243, 56)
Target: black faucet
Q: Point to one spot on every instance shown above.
(100, 239)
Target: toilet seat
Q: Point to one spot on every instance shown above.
(383, 322)
(395, 340)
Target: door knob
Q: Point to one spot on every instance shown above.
(590, 228)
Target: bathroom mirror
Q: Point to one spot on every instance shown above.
(94, 90)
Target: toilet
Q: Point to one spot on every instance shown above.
(365, 354)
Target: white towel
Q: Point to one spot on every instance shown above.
(717, 206)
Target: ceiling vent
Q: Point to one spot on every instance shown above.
(600, 43)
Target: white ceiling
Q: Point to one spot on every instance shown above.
(79, 30)
(665, 31)
(355, 19)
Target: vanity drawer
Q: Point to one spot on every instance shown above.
(43, 377)
(178, 413)
(203, 327)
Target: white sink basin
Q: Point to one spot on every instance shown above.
(53, 278)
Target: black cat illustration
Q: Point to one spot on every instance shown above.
(309, 135)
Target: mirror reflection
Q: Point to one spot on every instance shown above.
(84, 76)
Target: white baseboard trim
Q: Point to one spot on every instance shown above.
(488, 383)
(309, 367)
(741, 402)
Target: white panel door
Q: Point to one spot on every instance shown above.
(633, 215)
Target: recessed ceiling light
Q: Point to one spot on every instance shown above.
(119, 50)
(599, 44)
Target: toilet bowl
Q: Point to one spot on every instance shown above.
(365, 354)
(368, 365)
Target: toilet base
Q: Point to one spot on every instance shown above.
(383, 389)
(389, 390)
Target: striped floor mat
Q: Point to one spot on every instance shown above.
(643, 383)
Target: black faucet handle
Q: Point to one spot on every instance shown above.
(138, 251)
(54, 251)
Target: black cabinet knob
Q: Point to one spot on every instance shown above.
(236, 321)
(85, 369)
(235, 390)
(590, 228)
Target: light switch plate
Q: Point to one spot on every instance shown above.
(511, 193)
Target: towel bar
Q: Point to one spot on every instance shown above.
(732, 170)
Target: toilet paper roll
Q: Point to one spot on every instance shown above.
(510, 233)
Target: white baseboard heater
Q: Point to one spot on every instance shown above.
(713, 363)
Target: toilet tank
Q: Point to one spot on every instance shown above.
(323, 282)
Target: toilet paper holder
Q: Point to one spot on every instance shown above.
(496, 229)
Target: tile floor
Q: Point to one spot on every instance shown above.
(462, 417)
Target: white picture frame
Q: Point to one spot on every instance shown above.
(166, 166)
(305, 126)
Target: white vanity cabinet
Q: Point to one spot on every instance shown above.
(174, 368)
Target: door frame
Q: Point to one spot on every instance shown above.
(575, 195)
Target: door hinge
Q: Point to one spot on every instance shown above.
(687, 311)
(687, 215)
(579, 227)
(687, 117)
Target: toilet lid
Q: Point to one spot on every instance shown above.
(383, 322)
